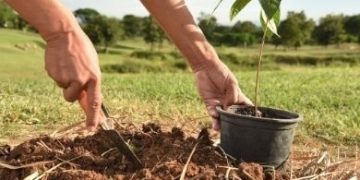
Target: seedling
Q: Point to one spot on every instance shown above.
(270, 19)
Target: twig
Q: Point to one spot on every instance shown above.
(53, 168)
(104, 153)
(228, 167)
(62, 146)
(12, 167)
(41, 143)
(227, 156)
(70, 163)
(227, 174)
(246, 174)
(322, 157)
(183, 173)
(32, 176)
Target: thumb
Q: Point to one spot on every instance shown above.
(93, 108)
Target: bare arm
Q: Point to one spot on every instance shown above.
(175, 18)
(70, 58)
(49, 17)
(216, 83)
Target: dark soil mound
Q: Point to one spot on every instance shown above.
(163, 153)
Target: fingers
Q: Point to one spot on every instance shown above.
(214, 115)
(72, 92)
(231, 96)
(216, 124)
(235, 96)
(93, 108)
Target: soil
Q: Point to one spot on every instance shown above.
(163, 153)
(250, 111)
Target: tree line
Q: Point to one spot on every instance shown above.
(296, 30)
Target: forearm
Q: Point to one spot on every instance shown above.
(49, 17)
(175, 18)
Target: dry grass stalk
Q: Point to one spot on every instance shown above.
(32, 176)
(227, 174)
(183, 173)
(41, 143)
(228, 167)
(8, 166)
(55, 167)
(104, 153)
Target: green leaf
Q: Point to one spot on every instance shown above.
(272, 24)
(237, 7)
(270, 7)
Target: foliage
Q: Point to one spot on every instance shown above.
(100, 29)
(132, 26)
(329, 30)
(86, 15)
(295, 30)
(152, 33)
(245, 27)
(352, 26)
(208, 25)
(7, 16)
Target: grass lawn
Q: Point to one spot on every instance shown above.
(328, 98)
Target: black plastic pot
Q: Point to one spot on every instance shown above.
(266, 141)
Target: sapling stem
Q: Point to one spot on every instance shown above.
(257, 86)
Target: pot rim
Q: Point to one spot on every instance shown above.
(290, 120)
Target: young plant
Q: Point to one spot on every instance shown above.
(270, 19)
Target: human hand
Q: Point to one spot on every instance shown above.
(72, 62)
(218, 86)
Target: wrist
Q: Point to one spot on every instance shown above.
(59, 30)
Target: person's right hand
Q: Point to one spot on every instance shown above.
(72, 62)
(218, 86)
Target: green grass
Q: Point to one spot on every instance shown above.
(327, 98)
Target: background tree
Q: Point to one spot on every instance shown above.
(208, 24)
(295, 30)
(244, 33)
(352, 27)
(152, 33)
(21, 24)
(7, 16)
(245, 27)
(329, 30)
(132, 26)
(102, 30)
(111, 31)
(86, 15)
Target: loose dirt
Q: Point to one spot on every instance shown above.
(163, 153)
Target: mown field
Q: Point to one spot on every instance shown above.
(320, 83)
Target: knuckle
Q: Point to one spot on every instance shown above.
(96, 103)
(69, 98)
